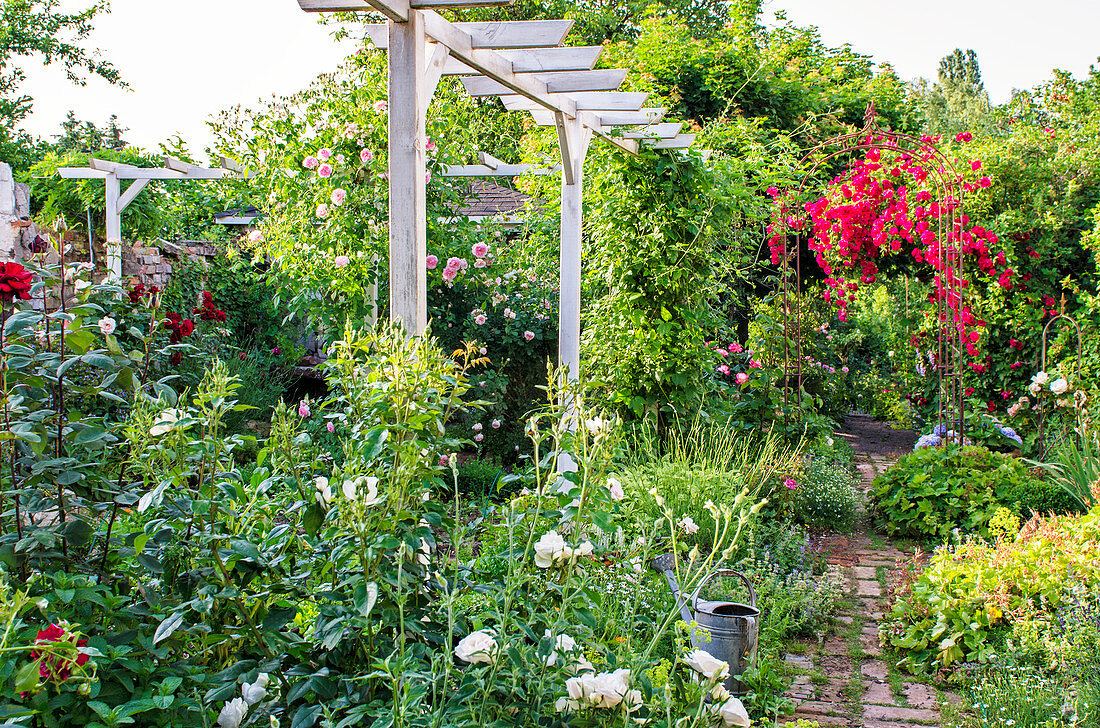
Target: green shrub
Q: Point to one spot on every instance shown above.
(826, 496)
(932, 491)
(478, 478)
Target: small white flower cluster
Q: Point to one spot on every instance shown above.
(1058, 387)
(593, 689)
(234, 711)
(552, 550)
(363, 488)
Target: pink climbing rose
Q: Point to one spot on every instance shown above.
(339, 195)
(529, 335)
(480, 250)
(330, 427)
(324, 153)
(742, 378)
(309, 162)
(325, 170)
(480, 319)
(380, 107)
(322, 211)
(303, 408)
(790, 483)
(341, 261)
(449, 274)
(365, 156)
(432, 262)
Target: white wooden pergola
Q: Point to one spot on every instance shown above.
(112, 174)
(523, 63)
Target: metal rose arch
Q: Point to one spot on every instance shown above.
(523, 63)
(941, 239)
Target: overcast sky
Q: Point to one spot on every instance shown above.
(185, 61)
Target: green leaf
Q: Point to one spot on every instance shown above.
(26, 680)
(167, 627)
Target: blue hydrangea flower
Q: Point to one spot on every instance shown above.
(939, 430)
(1011, 435)
(931, 440)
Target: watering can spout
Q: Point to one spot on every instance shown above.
(666, 563)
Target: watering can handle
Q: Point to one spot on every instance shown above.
(722, 572)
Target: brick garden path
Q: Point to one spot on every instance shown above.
(843, 679)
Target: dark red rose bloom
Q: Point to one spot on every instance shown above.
(59, 669)
(15, 281)
(187, 327)
(176, 358)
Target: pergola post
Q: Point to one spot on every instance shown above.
(114, 228)
(573, 140)
(408, 101)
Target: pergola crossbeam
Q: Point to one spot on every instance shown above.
(556, 82)
(537, 60)
(510, 34)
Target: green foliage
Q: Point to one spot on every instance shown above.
(959, 607)
(826, 495)
(933, 491)
(478, 478)
(654, 231)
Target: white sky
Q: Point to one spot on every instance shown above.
(185, 61)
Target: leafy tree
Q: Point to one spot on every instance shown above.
(959, 101)
(85, 136)
(39, 29)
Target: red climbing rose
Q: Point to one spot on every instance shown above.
(15, 280)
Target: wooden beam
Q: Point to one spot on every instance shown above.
(395, 10)
(437, 56)
(362, 6)
(656, 131)
(586, 100)
(681, 141)
(503, 170)
(489, 160)
(607, 118)
(455, 4)
(191, 171)
(131, 192)
(113, 223)
(556, 82)
(80, 173)
(508, 34)
(536, 60)
(492, 64)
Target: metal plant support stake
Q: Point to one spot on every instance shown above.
(950, 345)
(1077, 372)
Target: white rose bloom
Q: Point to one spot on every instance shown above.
(576, 687)
(233, 713)
(585, 549)
(548, 549)
(371, 484)
(1059, 386)
(1041, 378)
(348, 489)
(607, 689)
(324, 491)
(633, 700)
(479, 646)
(165, 422)
(107, 325)
(564, 643)
(257, 691)
(582, 666)
(719, 694)
(563, 704)
(707, 665)
(733, 713)
(595, 425)
(688, 525)
(616, 489)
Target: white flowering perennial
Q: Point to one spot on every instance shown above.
(552, 550)
(600, 690)
(479, 646)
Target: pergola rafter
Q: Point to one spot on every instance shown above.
(524, 64)
(113, 174)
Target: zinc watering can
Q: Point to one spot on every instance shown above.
(727, 630)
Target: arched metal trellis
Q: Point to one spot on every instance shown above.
(949, 352)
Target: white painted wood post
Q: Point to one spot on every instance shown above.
(408, 204)
(573, 138)
(114, 228)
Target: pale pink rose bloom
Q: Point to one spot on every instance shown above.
(480, 250)
(454, 263)
(340, 158)
(724, 369)
(477, 427)
(303, 409)
(529, 335)
(444, 460)
(385, 176)
(331, 427)
(449, 274)
(255, 236)
(338, 196)
(480, 263)
(429, 145)
(341, 261)
(322, 210)
(479, 437)
(427, 177)
(365, 156)
(742, 377)
(309, 162)
(496, 424)
(432, 262)
(480, 319)
(324, 154)
(380, 107)
(463, 265)
(324, 171)
(107, 325)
